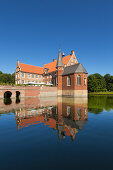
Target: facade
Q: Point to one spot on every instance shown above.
(66, 73)
(25, 74)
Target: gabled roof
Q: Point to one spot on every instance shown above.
(76, 68)
(52, 66)
(31, 69)
(40, 70)
(59, 60)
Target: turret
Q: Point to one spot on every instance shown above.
(59, 72)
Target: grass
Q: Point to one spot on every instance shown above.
(101, 93)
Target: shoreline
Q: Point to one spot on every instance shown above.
(100, 93)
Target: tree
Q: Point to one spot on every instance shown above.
(7, 78)
(96, 82)
(109, 82)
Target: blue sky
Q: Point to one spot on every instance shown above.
(33, 30)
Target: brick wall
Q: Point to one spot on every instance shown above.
(29, 91)
(74, 85)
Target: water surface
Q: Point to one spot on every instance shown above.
(56, 133)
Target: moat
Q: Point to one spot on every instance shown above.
(56, 133)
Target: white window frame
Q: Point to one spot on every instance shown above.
(29, 75)
(23, 74)
(33, 76)
(68, 83)
(78, 83)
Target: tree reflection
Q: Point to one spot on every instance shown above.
(96, 104)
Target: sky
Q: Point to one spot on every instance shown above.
(32, 31)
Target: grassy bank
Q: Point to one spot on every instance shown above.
(101, 93)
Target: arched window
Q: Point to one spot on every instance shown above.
(85, 81)
(68, 81)
(78, 80)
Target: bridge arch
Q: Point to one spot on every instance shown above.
(17, 94)
(7, 94)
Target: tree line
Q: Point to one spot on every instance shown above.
(7, 78)
(98, 83)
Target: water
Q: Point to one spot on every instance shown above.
(56, 133)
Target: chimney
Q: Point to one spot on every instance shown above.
(63, 55)
(72, 52)
(18, 62)
(54, 60)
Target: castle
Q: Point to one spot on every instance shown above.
(66, 73)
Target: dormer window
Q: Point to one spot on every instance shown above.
(46, 70)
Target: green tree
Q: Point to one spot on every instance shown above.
(96, 82)
(7, 78)
(109, 82)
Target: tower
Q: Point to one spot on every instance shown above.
(59, 71)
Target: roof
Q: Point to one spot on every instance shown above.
(59, 60)
(52, 66)
(76, 68)
(40, 70)
(31, 69)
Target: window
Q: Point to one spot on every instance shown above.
(29, 75)
(68, 81)
(40, 76)
(22, 81)
(78, 80)
(32, 75)
(22, 74)
(28, 82)
(36, 75)
(18, 75)
(85, 81)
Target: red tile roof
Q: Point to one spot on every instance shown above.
(52, 66)
(31, 69)
(40, 70)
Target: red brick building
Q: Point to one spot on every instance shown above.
(66, 73)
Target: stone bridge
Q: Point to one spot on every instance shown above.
(27, 91)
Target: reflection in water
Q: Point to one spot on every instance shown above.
(67, 117)
(17, 100)
(96, 104)
(35, 144)
(7, 101)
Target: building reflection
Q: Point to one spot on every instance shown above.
(66, 115)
